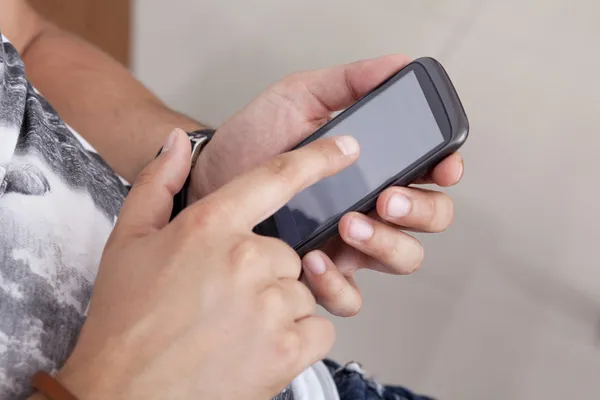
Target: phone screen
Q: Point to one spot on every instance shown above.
(394, 129)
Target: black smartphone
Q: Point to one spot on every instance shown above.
(405, 126)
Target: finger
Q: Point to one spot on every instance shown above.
(447, 173)
(321, 92)
(149, 203)
(251, 198)
(285, 262)
(337, 293)
(290, 298)
(417, 209)
(397, 252)
(317, 336)
(249, 251)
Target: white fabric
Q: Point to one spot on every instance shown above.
(315, 383)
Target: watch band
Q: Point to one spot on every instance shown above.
(198, 139)
(50, 387)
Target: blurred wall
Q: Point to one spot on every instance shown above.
(507, 305)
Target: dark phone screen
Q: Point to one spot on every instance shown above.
(394, 129)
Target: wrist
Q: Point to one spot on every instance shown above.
(194, 194)
(83, 381)
(198, 184)
(192, 189)
(74, 381)
(49, 387)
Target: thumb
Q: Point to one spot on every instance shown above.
(149, 203)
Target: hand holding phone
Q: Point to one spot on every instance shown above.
(405, 126)
(285, 114)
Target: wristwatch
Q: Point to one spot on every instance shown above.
(198, 139)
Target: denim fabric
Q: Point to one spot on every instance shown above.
(353, 385)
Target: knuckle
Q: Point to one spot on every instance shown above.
(289, 262)
(281, 167)
(318, 160)
(288, 91)
(272, 302)
(448, 215)
(311, 301)
(440, 212)
(418, 254)
(287, 346)
(340, 299)
(427, 210)
(293, 82)
(406, 254)
(286, 171)
(326, 156)
(199, 217)
(244, 252)
(352, 307)
(144, 178)
(333, 291)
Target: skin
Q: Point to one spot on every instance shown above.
(296, 107)
(127, 124)
(237, 298)
(93, 93)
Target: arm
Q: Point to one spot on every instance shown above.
(92, 92)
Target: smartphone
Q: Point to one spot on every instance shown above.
(405, 126)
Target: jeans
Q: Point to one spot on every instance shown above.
(353, 385)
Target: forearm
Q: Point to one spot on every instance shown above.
(100, 99)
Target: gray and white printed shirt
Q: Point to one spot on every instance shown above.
(58, 204)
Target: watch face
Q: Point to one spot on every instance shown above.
(201, 134)
(199, 140)
(197, 136)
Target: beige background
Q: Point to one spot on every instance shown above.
(507, 305)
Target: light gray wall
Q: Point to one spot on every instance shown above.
(507, 305)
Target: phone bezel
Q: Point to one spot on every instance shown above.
(449, 114)
(429, 90)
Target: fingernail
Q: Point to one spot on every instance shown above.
(360, 230)
(461, 170)
(315, 263)
(347, 145)
(169, 141)
(398, 206)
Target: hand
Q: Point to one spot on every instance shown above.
(202, 307)
(291, 110)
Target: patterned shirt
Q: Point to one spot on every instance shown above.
(58, 204)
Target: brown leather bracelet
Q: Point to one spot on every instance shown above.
(50, 387)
